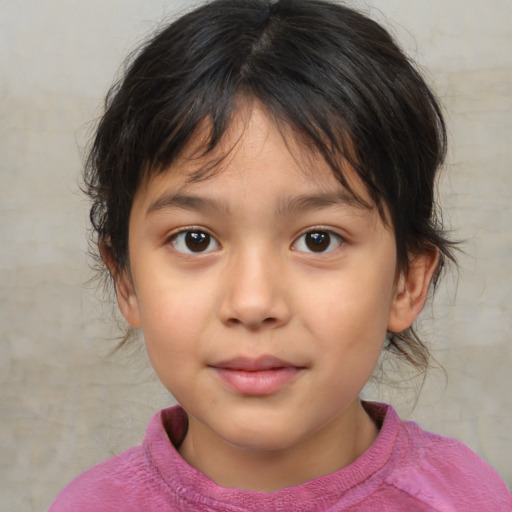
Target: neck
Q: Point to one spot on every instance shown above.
(333, 447)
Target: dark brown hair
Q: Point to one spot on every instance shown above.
(332, 75)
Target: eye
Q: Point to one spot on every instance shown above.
(317, 241)
(193, 242)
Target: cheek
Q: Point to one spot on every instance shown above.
(349, 323)
(172, 347)
(169, 299)
(353, 308)
(172, 323)
(172, 320)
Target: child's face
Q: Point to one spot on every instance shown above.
(268, 265)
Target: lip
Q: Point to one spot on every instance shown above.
(256, 376)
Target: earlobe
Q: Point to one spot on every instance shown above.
(127, 298)
(124, 287)
(412, 290)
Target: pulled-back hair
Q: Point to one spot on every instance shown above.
(333, 76)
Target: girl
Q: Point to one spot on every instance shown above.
(262, 185)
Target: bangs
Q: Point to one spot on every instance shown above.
(333, 81)
(206, 147)
(333, 78)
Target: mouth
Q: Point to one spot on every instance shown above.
(256, 376)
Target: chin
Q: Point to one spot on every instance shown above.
(258, 436)
(261, 442)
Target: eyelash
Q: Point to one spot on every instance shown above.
(181, 238)
(198, 235)
(333, 239)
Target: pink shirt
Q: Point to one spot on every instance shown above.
(406, 469)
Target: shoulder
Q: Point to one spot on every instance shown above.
(134, 480)
(446, 474)
(103, 487)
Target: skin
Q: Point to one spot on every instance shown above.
(258, 290)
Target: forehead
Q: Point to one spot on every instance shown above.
(254, 143)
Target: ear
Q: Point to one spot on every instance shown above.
(124, 287)
(412, 290)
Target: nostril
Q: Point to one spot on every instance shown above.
(269, 321)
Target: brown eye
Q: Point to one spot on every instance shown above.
(317, 241)
(193, 242)
(197, 242)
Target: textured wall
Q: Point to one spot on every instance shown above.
(64, 402)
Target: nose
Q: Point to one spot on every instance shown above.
(255, 293)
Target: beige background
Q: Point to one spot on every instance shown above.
(64, 403)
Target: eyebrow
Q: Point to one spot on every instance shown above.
(186, 202)
(285, 207)
(308, 202)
